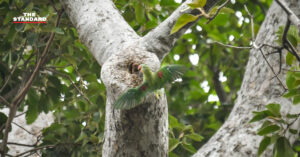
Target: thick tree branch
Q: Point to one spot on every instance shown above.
(159, 40)
(291, 15)
(100, 26)
(237, 137)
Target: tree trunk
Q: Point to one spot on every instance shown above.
(237, 137)
(142, 131)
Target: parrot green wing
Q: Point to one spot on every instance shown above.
(134, 96)
(131, 97)
(168, 74)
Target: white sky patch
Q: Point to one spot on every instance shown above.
(194, 47)
(194, 59)
(158, 7)
(83, 123)
(205, 86)
(216, 107)
(85, 84)
(77, 78)
(188, 31)
(212, 98)
(238, 14)
(178, 80)
(199, 28)
(232, 1)
(78, 95)
(178, 1)
(176, 57)
(190, 40)
(240, 22)
(222, 78)
(99, 81)
(28, 48)
(62, 97)
(251, 43)
(231, 37)
(247, 20)
(66, 70)
(209, 41)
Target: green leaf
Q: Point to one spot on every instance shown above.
(3, 118)
(58, 30)
(292, 115)
(32, 112)
(282, 148)
(268, 129)
(274, 109)
(293, 131)
(292, 93)
(71, 114)
(197, 4)
(296, 99)
(139, 12)
(263, 145)
(224, 10)
(81, 137)
(195, 137)
(189, 148)
(173, 143)
(182, 21)
(258, 116)
(289, 59)
(296, 146)
(188, 128)
(290, 80)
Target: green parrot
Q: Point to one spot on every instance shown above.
(151, 82)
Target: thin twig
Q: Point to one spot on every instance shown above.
(217, 12)
(20, 144)
(290, 124)
(252, 23)
(53, 5)
(4, 100)
(20, 114)
(72, 82)
(272, 69)
(231, 46)
(23, 128)
(291, 15)
(35, 149)
(291, 70)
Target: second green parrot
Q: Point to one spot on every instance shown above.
(151, 82)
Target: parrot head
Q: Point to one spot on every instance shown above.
(141, 67)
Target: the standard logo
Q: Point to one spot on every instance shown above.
(29, 18)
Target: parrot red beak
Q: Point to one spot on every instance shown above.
(139, 68)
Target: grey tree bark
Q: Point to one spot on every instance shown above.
(237, 137)
(143, 131)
